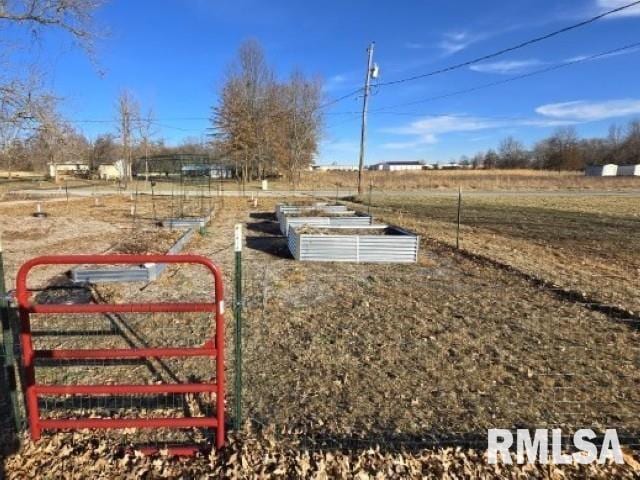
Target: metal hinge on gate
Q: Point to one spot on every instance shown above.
(9, 297)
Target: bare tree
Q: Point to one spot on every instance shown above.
(54, 139)
(303, 121)
(146, 132)
(128, 114)
(491, 159)
(18, 102)
(105, 150)
(264, 125)
(19, 97)
(242, 116)
(73, 16)
(512, 154)
(630, 149)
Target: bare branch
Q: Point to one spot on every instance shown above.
(74, 16)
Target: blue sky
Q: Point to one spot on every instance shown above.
(173, 54)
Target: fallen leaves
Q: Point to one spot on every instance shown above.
(253, 454)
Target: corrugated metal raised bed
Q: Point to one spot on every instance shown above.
(283, 210)
(148, 272)
(370, 244)
(342, 219)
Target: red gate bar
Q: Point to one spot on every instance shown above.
(142, 389)
(103, 354)
(123, 308)
(185, 422)
(213, 348)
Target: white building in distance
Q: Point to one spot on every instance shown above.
(68, 169)
(629, 170)
(608, 170)
(112, 171)
(397, 166)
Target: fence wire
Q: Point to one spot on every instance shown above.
(402, 356)
(344, 355)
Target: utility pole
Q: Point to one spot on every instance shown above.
(365, 104)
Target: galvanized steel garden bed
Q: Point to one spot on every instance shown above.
(317, 209)
(373, 244)
(328, 219)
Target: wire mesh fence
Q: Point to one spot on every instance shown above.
(353, 355)
(586, 243)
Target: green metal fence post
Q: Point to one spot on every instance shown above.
(238, 315)
(8, 347)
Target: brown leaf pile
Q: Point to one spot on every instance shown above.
(147, 242)
(251, 455)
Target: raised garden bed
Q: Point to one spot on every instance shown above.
(328, 220)
(317, 209)
(281, 208)
(367, 244)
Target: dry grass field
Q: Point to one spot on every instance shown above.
(412, 357)
(585, 243)
(452, 179)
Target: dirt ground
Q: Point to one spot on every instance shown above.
(349, 355)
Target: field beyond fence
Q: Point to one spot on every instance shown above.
(347, 360)
(524, 179)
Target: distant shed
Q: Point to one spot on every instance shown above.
(401, 166)
(68, 169)
(608, 170)
(629, 170)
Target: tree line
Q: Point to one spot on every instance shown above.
(564, 150)
(261, 126)
(41, 135)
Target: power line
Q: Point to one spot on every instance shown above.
(344, 97)
(511, 79)
(383, 110)
(512, 48)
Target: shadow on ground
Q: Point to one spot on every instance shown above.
(268, 238)
(263, 216)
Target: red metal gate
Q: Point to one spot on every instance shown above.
(213, 348)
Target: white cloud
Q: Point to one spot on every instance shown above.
(545, 122)
(427, 139)
(426, 130)
(579, 58)
(583, 110)
(606, 5)
(454, 42)
(335, 82)
(506, 67)
(443, 124)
